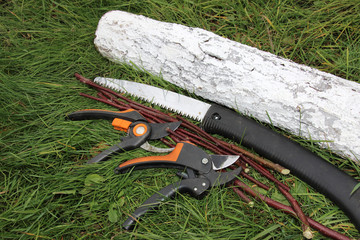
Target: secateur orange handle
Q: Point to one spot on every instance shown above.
(181, 157)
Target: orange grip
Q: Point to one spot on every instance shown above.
(121, 124)
(171, 157)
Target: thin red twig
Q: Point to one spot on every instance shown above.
(286, 209)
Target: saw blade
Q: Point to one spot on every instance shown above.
(172, 101)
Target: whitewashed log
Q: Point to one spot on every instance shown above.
(305, 101)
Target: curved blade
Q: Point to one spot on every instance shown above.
(223, 161)
(221, 178)
(150, 148)
(158, 130)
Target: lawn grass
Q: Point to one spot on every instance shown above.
(47, 192)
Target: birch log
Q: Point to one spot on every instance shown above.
(303, 100)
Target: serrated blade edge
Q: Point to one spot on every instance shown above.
(172, 101)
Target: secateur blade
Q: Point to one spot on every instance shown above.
(223, 161)
(150, 148)
(159, 130)
(222, 178)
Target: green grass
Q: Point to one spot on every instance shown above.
(46, 191)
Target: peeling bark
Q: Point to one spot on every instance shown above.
(300, 99)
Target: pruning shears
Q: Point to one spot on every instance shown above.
(138, 128)
(199, 176)
(198, 168)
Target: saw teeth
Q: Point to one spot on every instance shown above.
(185, 108)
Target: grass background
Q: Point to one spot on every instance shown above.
(47, 192)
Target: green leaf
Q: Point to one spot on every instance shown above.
(121, 193)
(277, 196)
(84, 191)
(65, 192)
(113, 216)
(93, 179)
(266, 231)
(121, 202)
(260, 190)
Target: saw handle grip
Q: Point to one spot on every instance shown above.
(195, 187)
(318, 173)
(90, 114)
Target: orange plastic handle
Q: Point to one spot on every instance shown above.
(171, 157)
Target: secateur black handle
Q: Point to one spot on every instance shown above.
(122, 120)
(90, 114)
(127, 144)
(195, 187)
(185, 156)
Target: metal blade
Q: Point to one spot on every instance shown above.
(221, 178)
(150, 148)
(223, 161)
(172, 101)
(159, 130)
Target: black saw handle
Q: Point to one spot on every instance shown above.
(318, 173)
(193, 186)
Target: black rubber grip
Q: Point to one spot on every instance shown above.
(193, 186)
(318, 173)
(126, 145)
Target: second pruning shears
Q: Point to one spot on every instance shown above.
(138, 128)
(199, 176)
